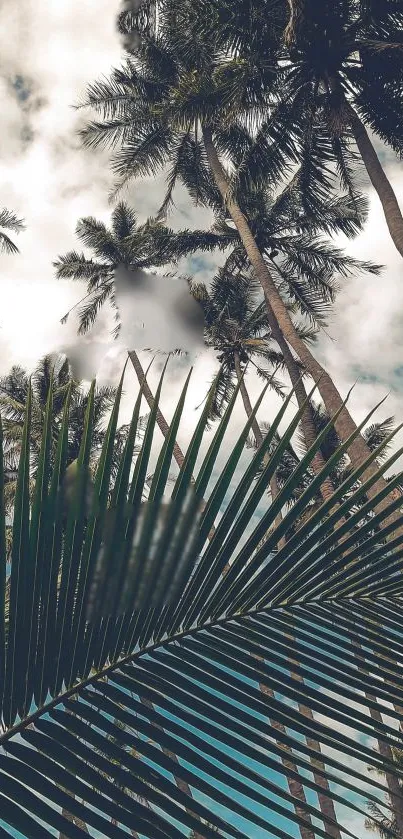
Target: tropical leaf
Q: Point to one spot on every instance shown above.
(153, 677)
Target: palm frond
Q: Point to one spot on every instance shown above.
(9, 221)
(124, 644)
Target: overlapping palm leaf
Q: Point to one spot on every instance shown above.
(128, 637)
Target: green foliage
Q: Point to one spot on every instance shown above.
(52, 372)
(97, 617)
(379, 819)
(9, 221)
(236, 326)
(312, 61)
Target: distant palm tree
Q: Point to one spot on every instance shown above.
(13, 397)
(127, 243)
(9, 221)
(382, 820)
(304, 264)
(238, 331)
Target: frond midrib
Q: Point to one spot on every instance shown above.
(131, 657)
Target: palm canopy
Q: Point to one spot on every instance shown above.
(336, 71)
(54, 373)
(167, 109)
(375, 435)
(304, 265)
(151, 109)
(116, 654)
(236, 329)
(9, 221)
(124, 242)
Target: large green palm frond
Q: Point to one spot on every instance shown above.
(127, 637)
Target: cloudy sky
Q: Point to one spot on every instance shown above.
(51, 180)
(49, 51)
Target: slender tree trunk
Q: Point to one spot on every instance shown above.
(295, 786)
(161, 421)
(358, 450)
(296, 16)
(255, 428)
(182, 785)
(377, 176)
(386, 752)
(325, 800)
(307, 423)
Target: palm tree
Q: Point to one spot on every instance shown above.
(9, 221)
(55, 371)
(237, 330)
(127, 243)
(303, 264)
(348, 60)
(330, 76)
(146, 614)
(378, 820)
(165, 108)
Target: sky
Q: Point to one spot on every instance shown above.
(50, 180)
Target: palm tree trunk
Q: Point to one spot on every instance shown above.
(295, 19)
(376, 174)
(295, 786)
(255, 427)
(358, 450)
(307, 423)
(161, 421)
(386, 752)
(182, 785)
(325, 800)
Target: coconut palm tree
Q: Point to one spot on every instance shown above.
(338, 68)
(348, 60)
(379, 821)
(237, 330)
(165, 108)
(51, 370)
(304, 265)
(9, 221)
(127, 243)
(92, 624)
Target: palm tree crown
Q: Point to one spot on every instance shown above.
(337, 71)
(56, 372)
(125, 242)
(236, 329)
(9, 221)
